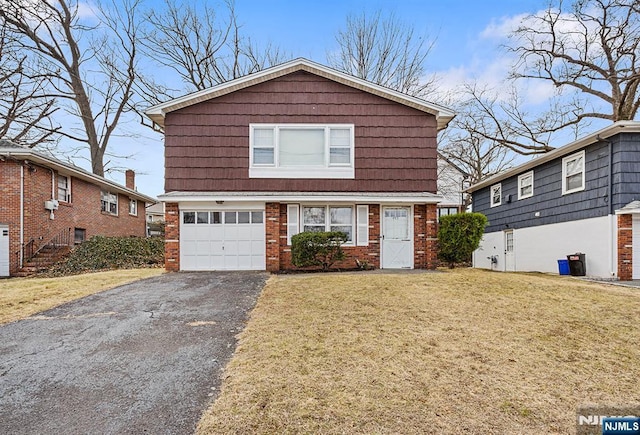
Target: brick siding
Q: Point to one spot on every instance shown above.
(172, 237)
(83, 211)
(278, 252)
(625, 247)
(425, 235)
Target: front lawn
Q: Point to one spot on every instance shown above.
(455, 352)
(22, 297)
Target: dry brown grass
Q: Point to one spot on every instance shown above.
(457, 352)
(22, 297)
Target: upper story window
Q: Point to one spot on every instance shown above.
(64, 188)
(573, 173)
(301, 151)
(496, 195)
(109, 202)
(133, 207)
(525, 185)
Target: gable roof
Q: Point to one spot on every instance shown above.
(10, 150)
(612, 130)
(157, 113)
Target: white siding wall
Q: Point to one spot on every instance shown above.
(537, 249)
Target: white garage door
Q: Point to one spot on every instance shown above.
(635, 240)
(222, 240)
(4, 250)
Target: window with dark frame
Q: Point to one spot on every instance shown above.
(109, 202)
(64, 188)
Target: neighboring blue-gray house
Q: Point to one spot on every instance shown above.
(581, 197)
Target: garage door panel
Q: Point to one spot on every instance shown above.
(233, 244)
(231, 232)
(256, 233)
(216, 232)
(244, 262)
(217, 262)
(203, 247)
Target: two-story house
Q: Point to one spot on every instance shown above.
(299, 147)
(47, 202)
(582, 197)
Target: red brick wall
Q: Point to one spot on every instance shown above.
(425, 240)
(278, 253)
(82, 212)
(172, 237)
(273, 231)
(370, 254)
(625, 247)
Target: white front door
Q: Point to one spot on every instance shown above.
(4, 250)
(397, 243)
(509, 256)
(635, 250)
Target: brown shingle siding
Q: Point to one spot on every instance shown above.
(207, 144)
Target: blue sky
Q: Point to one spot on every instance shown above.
(467, 34)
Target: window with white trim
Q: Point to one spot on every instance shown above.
(109, 202)
(525, 185)
(354, 221)
(573, 173)
(496, 195)
(301, 151)
(64, 188)
(133, 207)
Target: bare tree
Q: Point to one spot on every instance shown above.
(589, 51)
(385, 51)
(502, 117)
(90, 67)
(203, 45)
(591, 47)
(24, 105)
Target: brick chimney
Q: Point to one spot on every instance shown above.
(130, 179)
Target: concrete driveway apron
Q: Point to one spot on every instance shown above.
(142, 358)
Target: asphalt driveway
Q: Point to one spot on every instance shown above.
(142, 358)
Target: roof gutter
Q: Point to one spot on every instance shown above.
(221, 197)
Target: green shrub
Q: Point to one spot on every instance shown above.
(317, 248)
(100, 253)
(459, 235)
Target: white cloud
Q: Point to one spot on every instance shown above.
(502, 27)
(87, 10)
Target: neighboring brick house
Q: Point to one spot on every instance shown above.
(297, 147)
(44, 198)
(582, 197)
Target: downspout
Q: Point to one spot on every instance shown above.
(21, 215)
(52, 183)
(613, 268)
